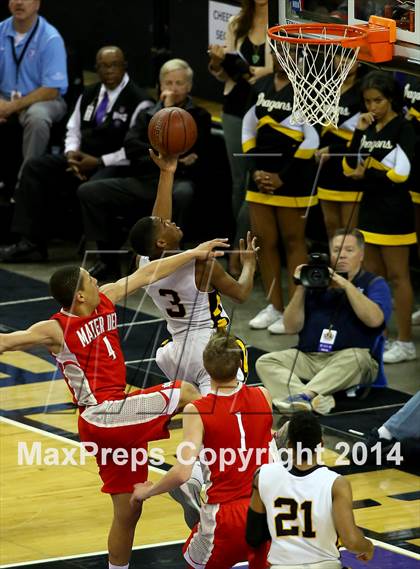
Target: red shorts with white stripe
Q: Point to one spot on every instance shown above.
(218, 540)
(121, 429)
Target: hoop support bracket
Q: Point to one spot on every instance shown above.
(379, 43)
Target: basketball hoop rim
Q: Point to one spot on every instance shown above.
(358, 39)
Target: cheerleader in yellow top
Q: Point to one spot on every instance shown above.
(385, 142)
(280, 187)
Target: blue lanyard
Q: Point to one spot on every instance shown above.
(18, 60)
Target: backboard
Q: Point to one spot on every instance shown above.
(405, 12)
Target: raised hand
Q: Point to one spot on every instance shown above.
(248, 254)
(168, 98)
(365, 120)
(205, 250)
(164, 162)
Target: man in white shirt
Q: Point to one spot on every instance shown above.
(93, 149)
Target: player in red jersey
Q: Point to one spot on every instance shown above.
(83, 338)
(233, 425)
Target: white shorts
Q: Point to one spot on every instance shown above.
(320, 565)
(182, 358)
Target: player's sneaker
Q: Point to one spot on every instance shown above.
(415, 318)
(265, 318)
(188, 495)
(294, 403)
(372, 439)
(277, 327)
(400, 352)
(323, 404)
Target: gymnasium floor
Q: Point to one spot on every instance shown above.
(55, 516)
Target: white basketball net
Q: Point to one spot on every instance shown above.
(315, 79)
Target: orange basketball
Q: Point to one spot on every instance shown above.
(172, 131)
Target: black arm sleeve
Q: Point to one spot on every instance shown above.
(136, 142)
(256, 528)
(354, 148)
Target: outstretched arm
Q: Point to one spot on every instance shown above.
(163, 202)
(47, 333)
(188, 452)
(160, 269)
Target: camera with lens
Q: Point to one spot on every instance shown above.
(316, 273)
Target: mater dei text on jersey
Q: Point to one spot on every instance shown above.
(91, 330)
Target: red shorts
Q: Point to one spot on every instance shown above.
(121, 430)
(218, 540)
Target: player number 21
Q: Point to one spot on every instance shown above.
(291, 516)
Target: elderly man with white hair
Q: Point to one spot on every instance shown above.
(102, 200)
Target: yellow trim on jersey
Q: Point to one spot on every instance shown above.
(373, 163)
(281, 201)
(215, 303)
(396, 178)
(390, 172)
(414, 113)
(304, 153)
(267, 120)
(346, 168)
(395, 240)
(249, 144)
(340, 132)
(415, 197)
(244, 350)
(338, 195)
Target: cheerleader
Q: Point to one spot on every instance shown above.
(280, 187)
(385, 143)
(412, 103)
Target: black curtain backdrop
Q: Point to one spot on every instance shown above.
(149, 31)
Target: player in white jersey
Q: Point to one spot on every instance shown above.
(190, 299)
(306, 510)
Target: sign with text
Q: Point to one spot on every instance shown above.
(219, 16)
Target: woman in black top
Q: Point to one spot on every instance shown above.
(280, 188)
(380, 159)
(412, 103)
(246, 36)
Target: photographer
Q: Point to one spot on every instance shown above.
(340, 329)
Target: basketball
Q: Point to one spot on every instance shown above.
(172, 131)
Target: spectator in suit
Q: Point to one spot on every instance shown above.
(132, 197)
(33, 79)
(93, 149)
